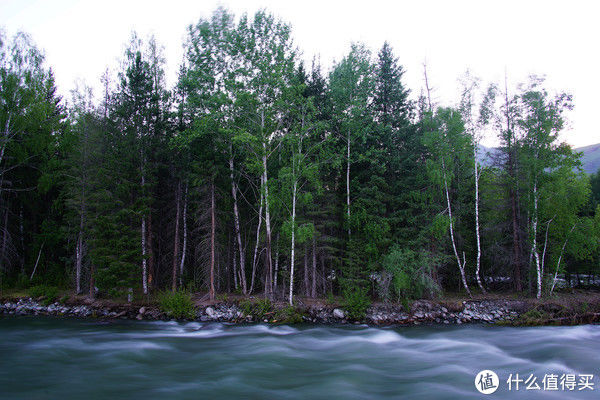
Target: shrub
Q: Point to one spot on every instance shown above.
(289, 315)
(258, 309)
(408, 274)
(178, 305)
(49, 293)
(356, 302)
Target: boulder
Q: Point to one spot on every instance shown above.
(210, 312)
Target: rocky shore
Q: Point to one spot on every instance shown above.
(421, 312)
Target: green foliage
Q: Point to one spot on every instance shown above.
(259, 309)
(49, 293)
(356, 302)
(178, 305)
(289, 315)
(410, 274)
(331, 299)
(360, 180)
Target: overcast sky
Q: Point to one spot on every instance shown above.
(556, 39)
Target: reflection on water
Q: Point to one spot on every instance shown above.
(43, 358)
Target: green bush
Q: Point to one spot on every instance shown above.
(408, 274)
(178, 305)
(49, 293)
(289, 315)
(258, 309)
(356, 302)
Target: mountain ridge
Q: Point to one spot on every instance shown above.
(590, 158)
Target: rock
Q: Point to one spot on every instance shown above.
(139, 317)
(210, 312)
(339, 314)
(142, 310)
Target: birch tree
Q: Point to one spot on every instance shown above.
(475, 123)
(269, 65)
(541, 122)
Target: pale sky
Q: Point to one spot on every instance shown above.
(558, 39)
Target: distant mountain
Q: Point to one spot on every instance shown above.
(590, 158)
(487, 155)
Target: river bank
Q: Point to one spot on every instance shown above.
(580, 308)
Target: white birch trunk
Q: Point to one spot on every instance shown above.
(276, 263)
(477, 236)
(236, 224)
(185, 234)
(269, 272)
(560, 258)
(254, 258)
(545, 246)
(461, 266)
(534, 244)
(79, 255)
(5, 140)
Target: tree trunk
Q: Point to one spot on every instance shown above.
(92, 282)
(313, 291)
(477, 236)
(176, 240)
(558, 262)
(276, 264)
(545, 245)
(461, 266)
(234, 262)
(534, 244)
(79, 256)
(212, 239)
(185, 235)
(236, 224)
(22, 232)
(144, 266)
(255, 257)
(306, 284)
(150, 252)
(4, 240)
(269, 268)
(348, 181)
(516, 247)
(293, 244)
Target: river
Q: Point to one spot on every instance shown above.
(52, 358)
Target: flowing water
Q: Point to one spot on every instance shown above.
(46, 358)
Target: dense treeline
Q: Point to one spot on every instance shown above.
(259, 174)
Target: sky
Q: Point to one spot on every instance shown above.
(493, 39)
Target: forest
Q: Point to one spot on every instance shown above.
(256, 174)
